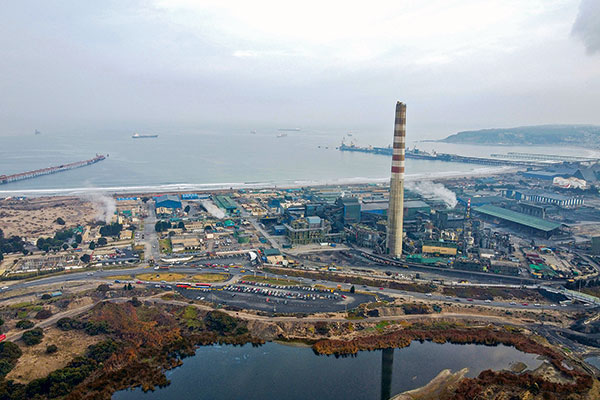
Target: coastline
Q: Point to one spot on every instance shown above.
(285, 184)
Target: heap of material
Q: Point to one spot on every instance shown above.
(396, 209)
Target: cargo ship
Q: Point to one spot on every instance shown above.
(138, 136)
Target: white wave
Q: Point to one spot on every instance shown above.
(205, 187)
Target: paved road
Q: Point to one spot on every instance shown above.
(236, 274)
(150, 236)
(257, 226)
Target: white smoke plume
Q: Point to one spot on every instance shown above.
(106, 206)
(436, 191)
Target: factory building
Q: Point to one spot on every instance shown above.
(447, 219)
(396, 208)
(534, 225)
(312, 209)
(412, 208)
(225, 203)
(504, 267)
(588, 174)
(374, 208)
(307, 230)
(596, 245)
(350, 209)
(533, 209)
(477, 201)
(439, 248)
(365, 236)
(544, 198)
(168, 201)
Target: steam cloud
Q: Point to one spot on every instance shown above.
(106, 206)
(434, 190)
(587, 25)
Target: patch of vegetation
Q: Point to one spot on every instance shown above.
(322, 328)
(51, 349)
(355, 280)
(33, 336)
(13, 244)
(92, 328)
(62, 381)
(9, 354)
(103, 287)
(43, 314)
(165, 246)
(416, 309)
(175, 277)
(113, 229)
(191, 319)
(490, 292)
(24, 324)
(162, 226)
(56, 243)
(145, 341)
(223, 324)
(380, 327)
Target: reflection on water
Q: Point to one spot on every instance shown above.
(387, 368)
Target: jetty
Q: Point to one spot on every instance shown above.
(50, 170)
(422, 155)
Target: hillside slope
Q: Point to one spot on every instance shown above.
(573, 135)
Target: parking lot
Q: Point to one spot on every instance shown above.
(278, 298)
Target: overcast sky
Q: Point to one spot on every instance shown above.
(325, 65)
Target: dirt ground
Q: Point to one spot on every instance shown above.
(35, 363)
(35, 217)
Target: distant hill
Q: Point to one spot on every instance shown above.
(573, 135)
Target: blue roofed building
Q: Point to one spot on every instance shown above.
(168, 201)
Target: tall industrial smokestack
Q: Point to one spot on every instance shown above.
(396, 208)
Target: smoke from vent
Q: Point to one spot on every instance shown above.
(105, 205)
(436, 191)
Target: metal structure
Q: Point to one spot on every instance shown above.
(543, 157)
(396, 208)
(50, 170)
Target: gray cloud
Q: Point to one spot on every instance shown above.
(154, 64)
(587, 25)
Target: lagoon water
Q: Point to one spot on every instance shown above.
(197, 160)
(276, 371)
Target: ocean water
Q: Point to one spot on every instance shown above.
(204, 160)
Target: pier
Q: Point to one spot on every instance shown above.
(421, 155)
(50, 170)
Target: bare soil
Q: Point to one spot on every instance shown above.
(35, 363)
(36, 217)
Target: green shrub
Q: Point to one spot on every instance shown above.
(9, 354)
(33, 337)
(220, 322)
(51, 349)
(67, 324)
(25, 324)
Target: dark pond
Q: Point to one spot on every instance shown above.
(276, 371)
